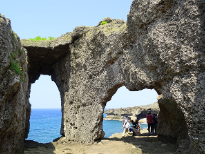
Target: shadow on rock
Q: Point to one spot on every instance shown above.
(31, 146)
(149, 143)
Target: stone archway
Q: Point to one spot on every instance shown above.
(160, 47)
(47, 61)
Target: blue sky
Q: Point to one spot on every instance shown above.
(31, 18)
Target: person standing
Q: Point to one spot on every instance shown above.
(123, 121)
(125, 127)
(150, 121)
(155, 122)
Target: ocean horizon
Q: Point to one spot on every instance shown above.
(45, 125)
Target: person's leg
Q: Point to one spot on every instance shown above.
(133, 132)
(153, 129)
(152, 125)
(156, 129)
(138, 132)
(123, 134)
(127, 131)
(149, 127)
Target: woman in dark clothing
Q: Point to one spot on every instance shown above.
(133, 123)
(155, 122)
(136, 128)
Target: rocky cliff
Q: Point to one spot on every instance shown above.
(14, 105)
(136, 112)
(161, 47)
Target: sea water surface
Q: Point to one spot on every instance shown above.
(45, 125)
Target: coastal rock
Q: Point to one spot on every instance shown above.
(136, 112)
(14, 105)
(161, 47)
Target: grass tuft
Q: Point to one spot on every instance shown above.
(38, 38)
(16, 68)
(15, 65)
(21, 51)
(103, 23)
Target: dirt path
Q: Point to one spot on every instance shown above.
(143, 144)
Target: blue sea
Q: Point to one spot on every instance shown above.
(45, 125)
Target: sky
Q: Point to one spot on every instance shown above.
(44, 18)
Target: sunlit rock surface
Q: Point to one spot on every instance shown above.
(161, 47)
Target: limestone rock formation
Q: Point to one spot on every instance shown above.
(14, 105)
(168, 37)
(74, 63)
(161, 47)
(136, 112)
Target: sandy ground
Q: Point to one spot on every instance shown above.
(143, 144)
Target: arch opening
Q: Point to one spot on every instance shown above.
(46, 116)
(171, 122)
(131, 104)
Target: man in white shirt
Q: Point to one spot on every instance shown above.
(123, 121)
(126, 127)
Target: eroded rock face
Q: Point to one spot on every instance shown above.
(169, 37)
(14, 105)
(160, 47)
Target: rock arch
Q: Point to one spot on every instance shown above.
(161, 47)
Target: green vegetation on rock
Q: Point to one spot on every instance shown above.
(21, 51)
(15, 64)
(14, 35)
(16, 67)
(38, 38)
(103, 23)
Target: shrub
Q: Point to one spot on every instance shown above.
(103, 23)
(21, 51)
(38, 38)
(50, 38)
(15, 65)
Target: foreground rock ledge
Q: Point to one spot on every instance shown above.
(114, 144)
(161, 47)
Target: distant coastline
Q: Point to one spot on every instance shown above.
(136, 112)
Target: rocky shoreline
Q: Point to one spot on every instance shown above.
(136, 112)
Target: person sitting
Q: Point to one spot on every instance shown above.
(133, 125)
(137, 125)
(136, 128)
(125, 127)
